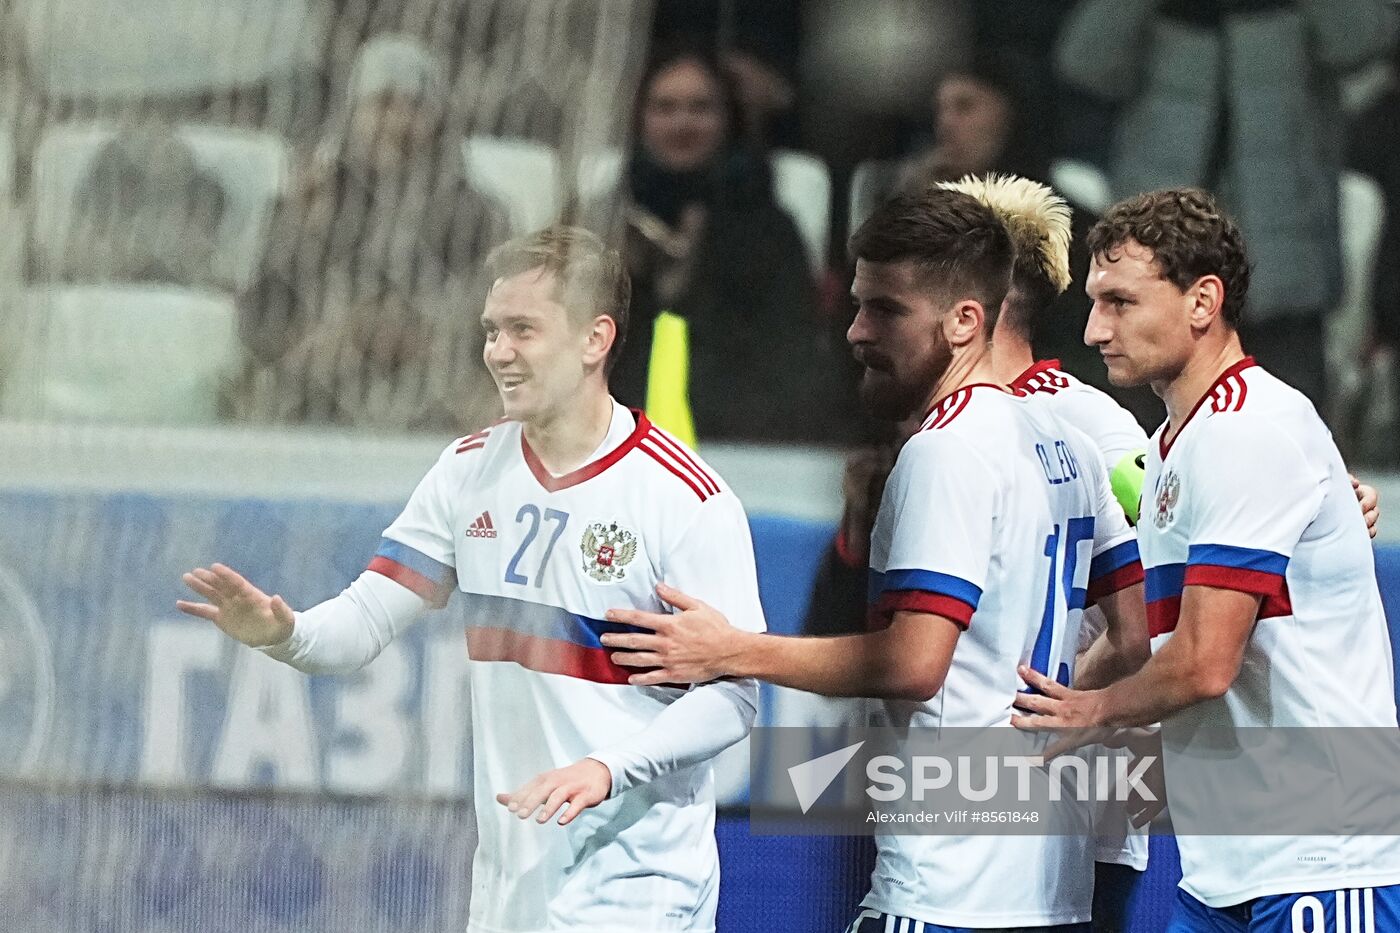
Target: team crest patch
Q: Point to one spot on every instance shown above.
(607, 550)
(1168, 494)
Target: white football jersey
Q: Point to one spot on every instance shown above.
(1117, 435)
(1251, 495)
(999, 516)
(539, 560)
(1112, 428)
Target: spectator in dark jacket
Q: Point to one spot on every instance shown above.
(146, 212)
(704, 238)
(989, 117)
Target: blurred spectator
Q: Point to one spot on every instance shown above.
(382, 366)
(1240, 96)
(986, 118)
(765, 95)
(704, 238)
(989, 116)
(384, 200)
(759, 46)
(146, 212)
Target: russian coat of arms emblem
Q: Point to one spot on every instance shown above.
(607, 550)
(1168, 494)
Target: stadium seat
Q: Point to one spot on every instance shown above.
(871, 183)
(11, 217)
(116, 353)
(251, 167)
(1362, 216)
(598, 174)
(522, 175)
(801, 184)
(1082, 183)
(107, 49)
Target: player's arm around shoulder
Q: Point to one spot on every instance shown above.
(927, 602)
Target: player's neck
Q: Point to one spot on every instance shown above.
(968, 367)
(1181, 393)
(1011, 356)
(564, 440)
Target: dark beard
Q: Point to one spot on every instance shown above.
(894, 398)
(884, 398)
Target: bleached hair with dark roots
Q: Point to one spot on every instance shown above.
(1037, 219)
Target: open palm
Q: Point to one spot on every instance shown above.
(236, 606)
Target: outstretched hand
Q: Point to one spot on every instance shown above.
(237, 607)
(692, 646)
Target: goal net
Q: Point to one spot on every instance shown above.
(239, 287)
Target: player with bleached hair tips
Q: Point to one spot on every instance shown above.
(1038, 221)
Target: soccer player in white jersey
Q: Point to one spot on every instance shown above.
(544, 521)
(1263, 601)
(990, 507)
(1038, 221)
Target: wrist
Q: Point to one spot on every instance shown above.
(1103, 713)
(604, 770)
(741, 660)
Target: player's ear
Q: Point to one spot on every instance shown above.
(964, 322)
(602, 333)
(1207, 296)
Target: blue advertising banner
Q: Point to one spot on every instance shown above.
(105, 682)
(140, 743)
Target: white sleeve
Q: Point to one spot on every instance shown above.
(1249, 496)
(700, 724)
(932, 543)
(1112, 428)
(343, 634)
(412, 570)
(418, 550)
(713, 562)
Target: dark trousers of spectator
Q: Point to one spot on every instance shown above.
(1293, 348)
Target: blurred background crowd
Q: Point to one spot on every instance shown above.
(274, 212)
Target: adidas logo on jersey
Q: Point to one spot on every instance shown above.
(482, 527)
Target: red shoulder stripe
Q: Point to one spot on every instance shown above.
(646, 446)
(473, 441)
(949, 408)
(671, 446)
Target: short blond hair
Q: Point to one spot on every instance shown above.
(592, 278)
